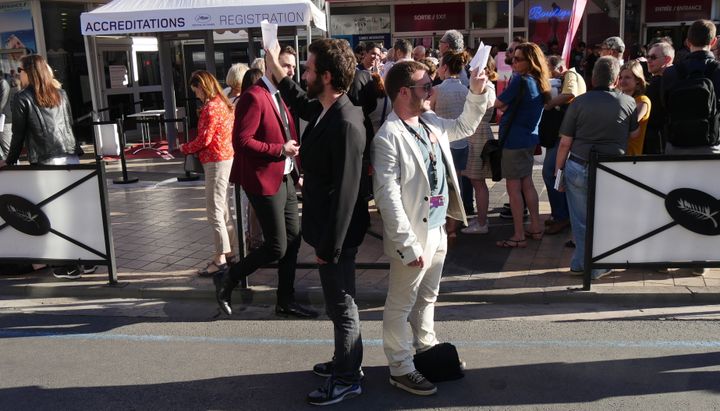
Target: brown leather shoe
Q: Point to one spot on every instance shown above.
(557, 227)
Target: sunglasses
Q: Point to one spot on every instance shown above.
(426, 87)
(652, 57)
(518, 59)
(20, 69)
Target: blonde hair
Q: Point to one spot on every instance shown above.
(538, 67)
(235, 75)
(636, 69)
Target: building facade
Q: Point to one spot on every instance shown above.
(497, 21)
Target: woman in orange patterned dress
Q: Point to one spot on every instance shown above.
(213, 146)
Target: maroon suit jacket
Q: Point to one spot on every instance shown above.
(258, 139)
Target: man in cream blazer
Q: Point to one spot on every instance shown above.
(415, 189)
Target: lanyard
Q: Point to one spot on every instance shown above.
(431, 151)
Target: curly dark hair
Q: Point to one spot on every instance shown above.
(334, 56)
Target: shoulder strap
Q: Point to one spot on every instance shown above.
(382, 118)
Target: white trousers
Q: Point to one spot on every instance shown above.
(412, 293)
(217, 193)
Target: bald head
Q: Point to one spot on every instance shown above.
(418, 53)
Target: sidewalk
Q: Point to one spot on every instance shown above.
(162, 237)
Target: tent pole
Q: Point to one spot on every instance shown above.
(168, 91)
(210, 52)
(297, 56)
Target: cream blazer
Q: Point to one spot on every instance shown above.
(400, 181)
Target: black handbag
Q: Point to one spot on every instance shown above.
(193, 164)
(439, 363)
(549, 128)
(492, 150)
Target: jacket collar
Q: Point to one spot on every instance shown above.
(396, 126)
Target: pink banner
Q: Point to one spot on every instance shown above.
(575, 18)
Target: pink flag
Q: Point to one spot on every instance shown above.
(575, 18)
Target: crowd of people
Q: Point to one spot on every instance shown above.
(402, 127)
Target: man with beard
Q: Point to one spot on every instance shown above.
(415, 189)
(265, 143)
(335, 210)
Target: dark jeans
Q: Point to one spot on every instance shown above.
(280, 224)
(338, 284)
(558, 201)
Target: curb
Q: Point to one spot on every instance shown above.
(267, 295)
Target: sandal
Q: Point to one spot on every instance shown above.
(509, 243)
(205, 272)
(535, 236)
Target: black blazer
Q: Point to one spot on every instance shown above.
(335, 209)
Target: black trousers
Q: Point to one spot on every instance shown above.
(338, 284)
(280, 224)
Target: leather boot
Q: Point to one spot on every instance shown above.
(224, 285)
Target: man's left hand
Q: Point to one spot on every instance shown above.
(478, 79)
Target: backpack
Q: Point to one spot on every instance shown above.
(692, 108)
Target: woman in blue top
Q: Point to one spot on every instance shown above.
(522, 103)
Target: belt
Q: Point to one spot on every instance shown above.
(578, 160)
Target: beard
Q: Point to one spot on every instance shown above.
(417, 104)
(315, 88)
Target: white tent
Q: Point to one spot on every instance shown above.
(127, 17)
(143, 16)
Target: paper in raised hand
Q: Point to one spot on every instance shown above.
(269, 33)
(481, 57)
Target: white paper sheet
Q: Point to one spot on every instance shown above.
(269, 33)
(481, 57)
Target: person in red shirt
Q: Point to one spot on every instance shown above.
(213, 146)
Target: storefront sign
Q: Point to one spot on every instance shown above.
(358, 24)
(538, 13)
(677, 10)
(429, 17)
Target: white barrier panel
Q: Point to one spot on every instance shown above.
(660, 210)
(55, 214)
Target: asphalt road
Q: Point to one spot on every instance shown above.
(64, 354)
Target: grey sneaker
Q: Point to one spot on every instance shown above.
(699, 271)
(601, 274)
(332, 392)
(414, 383)
(71, 272)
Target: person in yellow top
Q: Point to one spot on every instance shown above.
(632, 82)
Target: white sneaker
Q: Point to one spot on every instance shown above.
(475, 228)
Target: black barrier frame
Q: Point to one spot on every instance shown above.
(596, 161)
(108, 257)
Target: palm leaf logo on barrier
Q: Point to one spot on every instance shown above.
(701, 212)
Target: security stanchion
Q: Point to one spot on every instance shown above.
(120, 141)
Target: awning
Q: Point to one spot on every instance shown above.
(143, 16)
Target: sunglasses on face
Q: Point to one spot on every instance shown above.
(20, 69)
(519, 59)
(425, 87)
(652, 57)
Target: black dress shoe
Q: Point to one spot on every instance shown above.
(223, 291)
(294, 310)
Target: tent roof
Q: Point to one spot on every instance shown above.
(143, 16)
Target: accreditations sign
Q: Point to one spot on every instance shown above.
(212, 18)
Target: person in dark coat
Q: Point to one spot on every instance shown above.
(335, 211)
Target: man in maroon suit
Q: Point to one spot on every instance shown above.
(265, 143)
